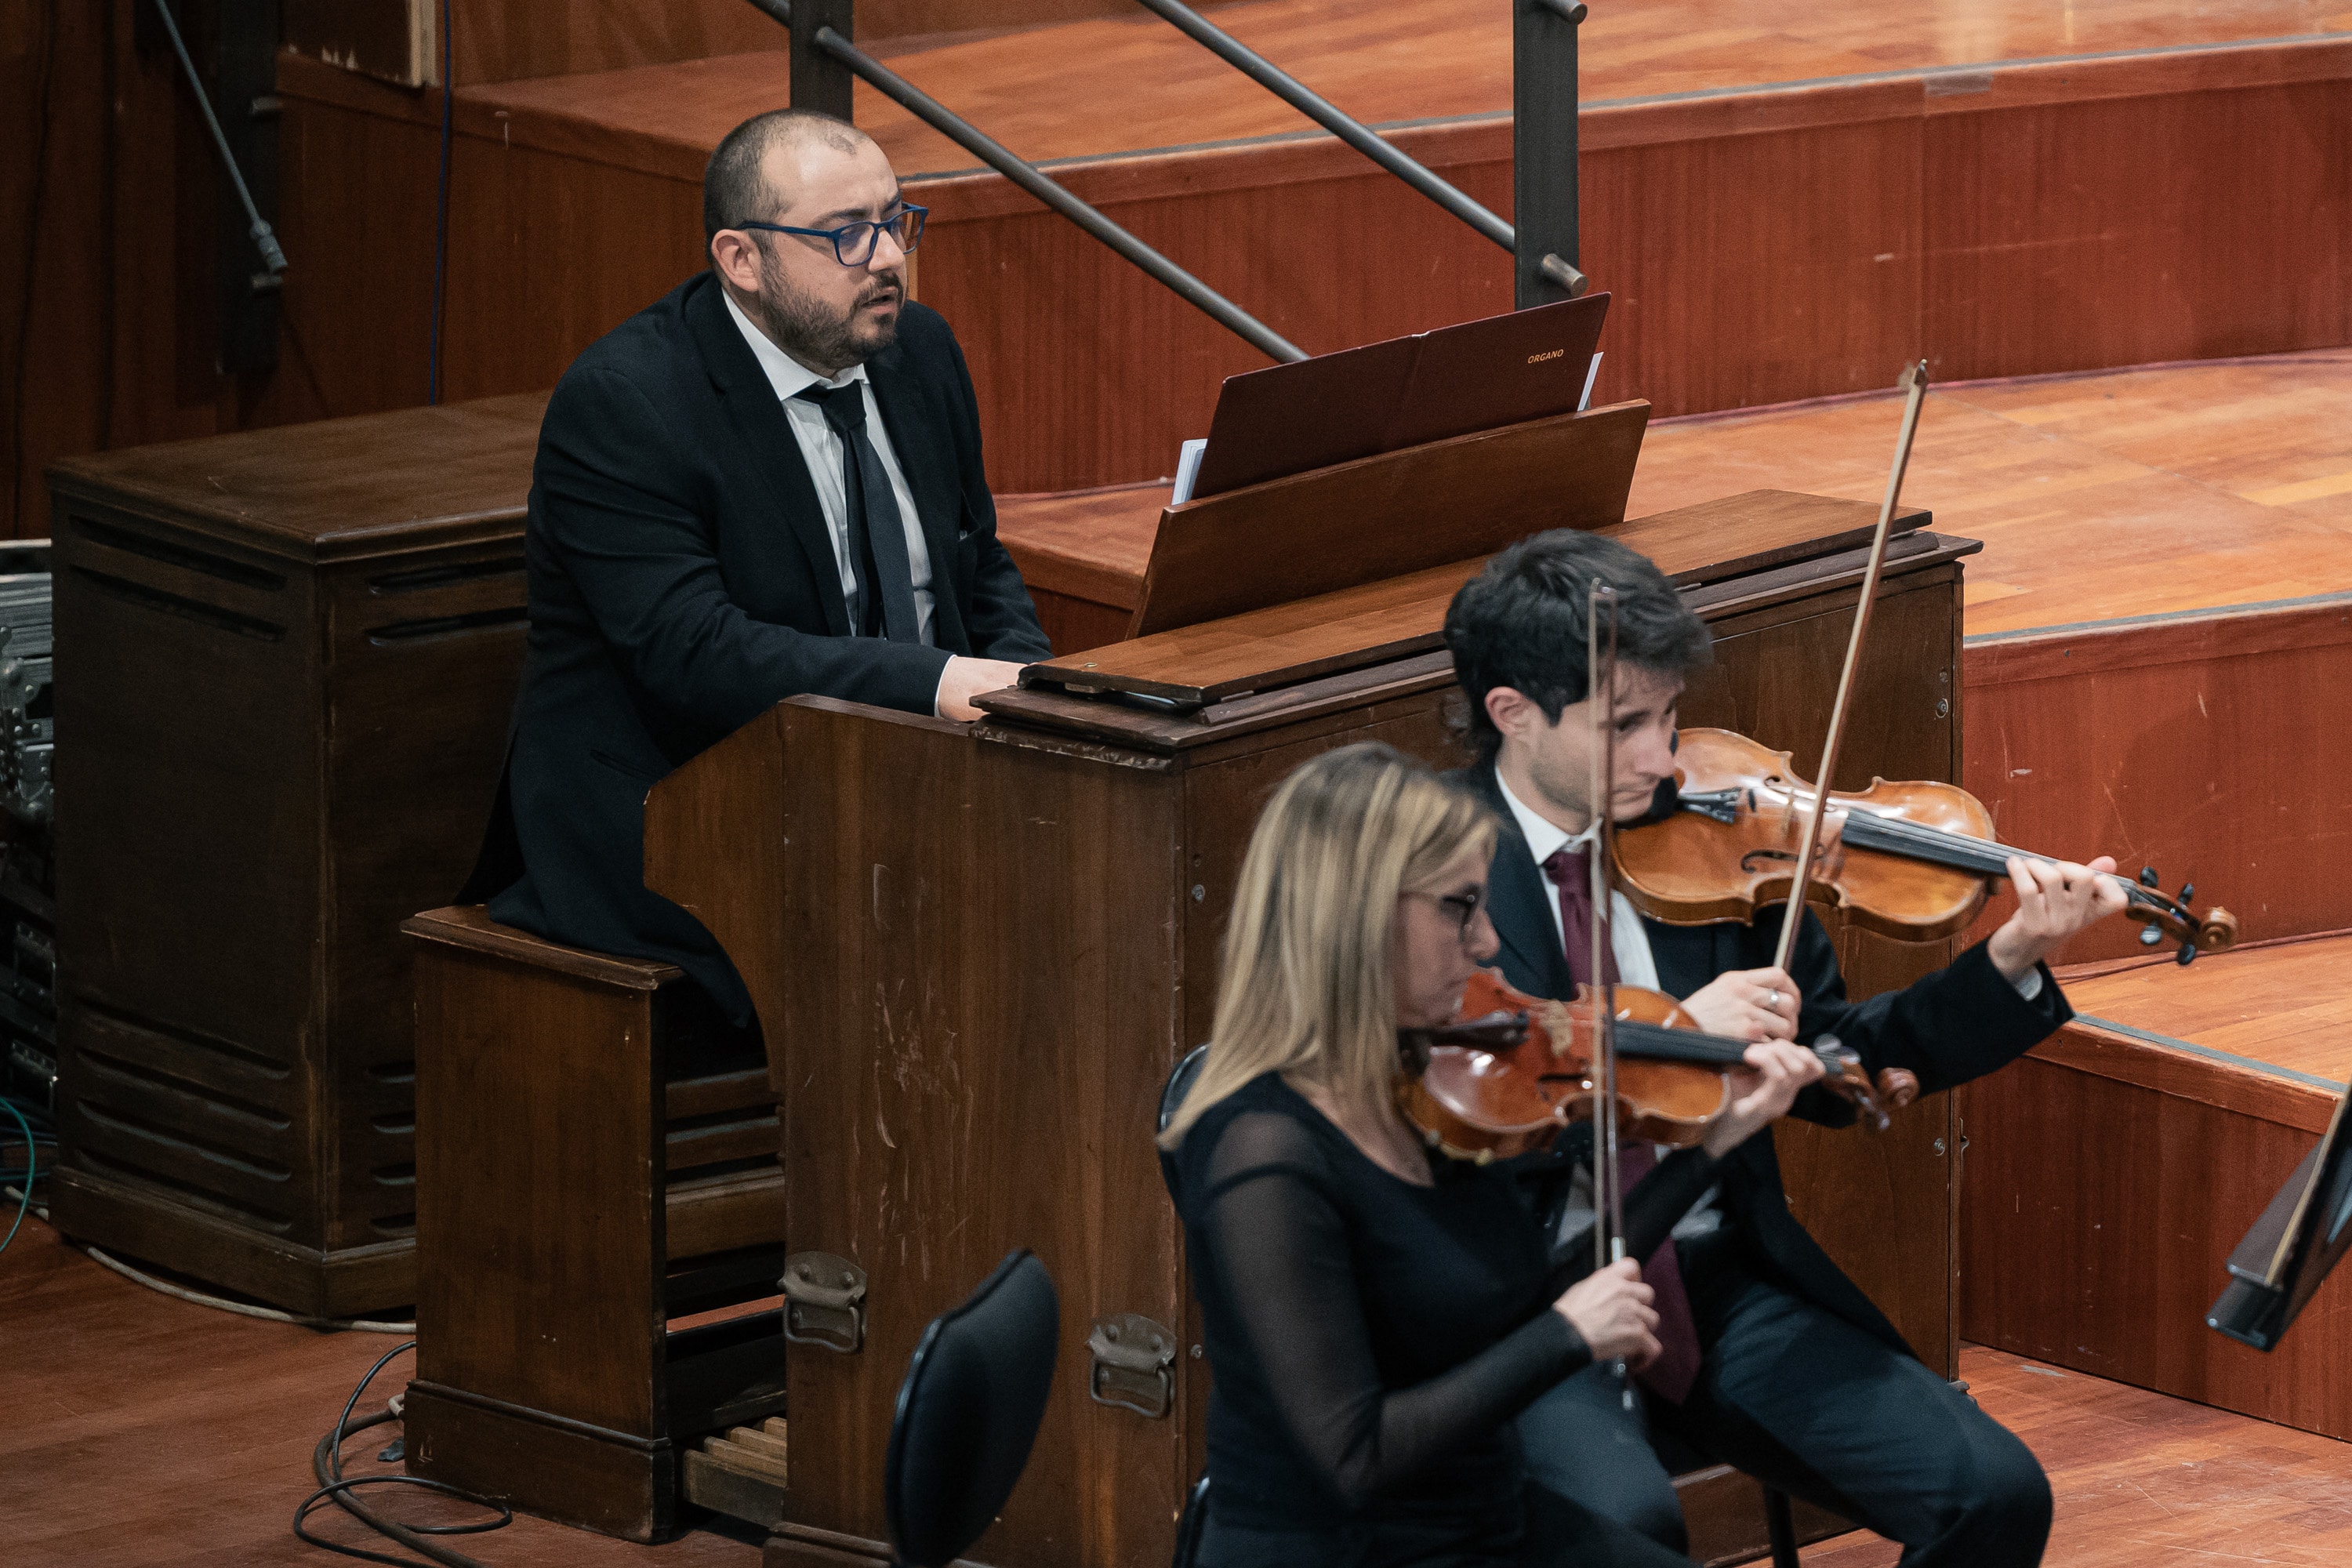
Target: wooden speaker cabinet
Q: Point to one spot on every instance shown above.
(980, 949)
(289, 659)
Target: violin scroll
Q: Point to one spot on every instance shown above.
(2160, 917)
(1846, 1076)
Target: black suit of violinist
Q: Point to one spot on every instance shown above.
(1787, 1368)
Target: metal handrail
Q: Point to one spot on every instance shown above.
(1059, 198)
(1332, 117)
(1361, 137)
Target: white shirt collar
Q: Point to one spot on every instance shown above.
(784, 373)
(1543, 836)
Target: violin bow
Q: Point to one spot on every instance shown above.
(1915, 382)
(1608, 1184)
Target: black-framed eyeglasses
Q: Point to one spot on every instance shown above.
(853, 243)
(1462, 907)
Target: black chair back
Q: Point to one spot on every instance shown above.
(1180, 1083)
(1195, 1517)
(1190, 1524)
(968, 1413)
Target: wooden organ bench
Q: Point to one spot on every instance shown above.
(599, 1222)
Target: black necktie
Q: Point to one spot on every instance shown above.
(884, 604)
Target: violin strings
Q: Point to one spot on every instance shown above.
(1966, 854)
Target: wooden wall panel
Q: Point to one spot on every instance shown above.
(357, 225)
(2124, 231)
(1756, 268)
(399, 41)
(391, 40)
(497, 40)
(119, 349)
(54, 65)
(1090, 372)
(2096, 1218)
(2181, 742)
(518, 313)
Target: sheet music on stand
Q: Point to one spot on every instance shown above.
(2286, 1256)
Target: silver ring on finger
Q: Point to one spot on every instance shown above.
(1772, 1000)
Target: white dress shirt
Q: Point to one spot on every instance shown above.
(1637, 965)
(825, 454)
(1627, 939)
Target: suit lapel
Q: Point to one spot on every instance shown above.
(924, 448)
(1519, 902)
(764, 433)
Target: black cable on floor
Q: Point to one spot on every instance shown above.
(32, 1170)
(327, 1464)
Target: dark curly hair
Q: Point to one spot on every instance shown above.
(1521, 623)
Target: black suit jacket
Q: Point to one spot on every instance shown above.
(682, 580)
(1959, 1022)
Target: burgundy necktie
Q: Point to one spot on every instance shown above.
(1671, 1375)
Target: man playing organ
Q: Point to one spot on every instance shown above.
(767, 483)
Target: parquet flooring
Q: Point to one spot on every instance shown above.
(2285, 1004)
(1069, 90)
(141, 1430)
(2143, 1480)
(2119, 493)
(2099, 496)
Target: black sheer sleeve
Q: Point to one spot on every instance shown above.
(1269, 1220)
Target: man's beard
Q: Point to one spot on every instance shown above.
(1570, 788)
(807, 329)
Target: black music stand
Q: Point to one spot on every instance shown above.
(2285, 1258)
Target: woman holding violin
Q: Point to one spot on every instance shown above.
(1376, 1314)
(1770, 1358)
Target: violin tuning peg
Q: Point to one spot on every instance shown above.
(2148, 879)
(2149, 936)
(2186, 955)
(2187, 892)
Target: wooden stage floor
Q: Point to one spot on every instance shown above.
(141, 1430)
(1069, 89)
(2124, 493)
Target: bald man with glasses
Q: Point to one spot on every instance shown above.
(769, 483)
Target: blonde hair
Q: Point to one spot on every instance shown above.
(1308, 985)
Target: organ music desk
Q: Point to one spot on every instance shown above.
(977, 950)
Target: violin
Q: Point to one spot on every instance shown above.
(1911, 861)
(1520, 1068)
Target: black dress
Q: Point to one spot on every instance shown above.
(1371, 1341)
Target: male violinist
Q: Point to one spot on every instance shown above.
(1773, 1360)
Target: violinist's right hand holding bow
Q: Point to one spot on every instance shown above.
(1611, 1309)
